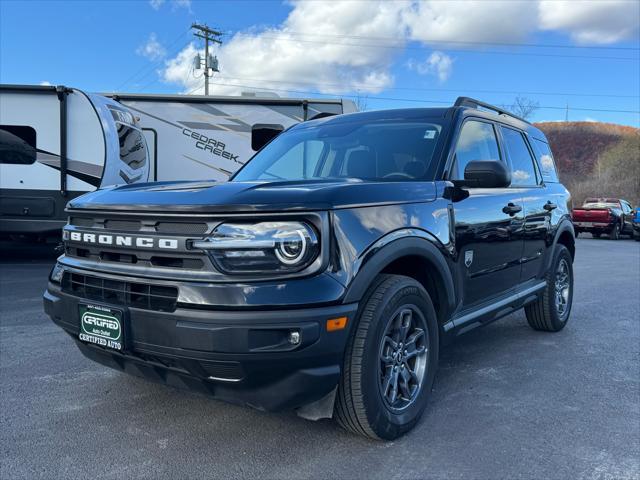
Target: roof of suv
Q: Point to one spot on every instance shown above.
(464, 106)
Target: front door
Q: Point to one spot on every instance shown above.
(488, 223)
(538, 201)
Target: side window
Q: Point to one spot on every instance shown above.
(17, 145)
(545, 160)
(477, 141)
(523, 172)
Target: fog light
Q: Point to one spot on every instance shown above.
(56, 273)
(294, 337)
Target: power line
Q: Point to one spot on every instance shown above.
(422, 89)
(147, 66)
(462, 42)
(438, 102)
(426, 47)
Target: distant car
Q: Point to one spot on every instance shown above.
(636, 223)
(612, 216)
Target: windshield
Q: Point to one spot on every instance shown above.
(367, 150)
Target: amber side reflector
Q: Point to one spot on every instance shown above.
(336, 324)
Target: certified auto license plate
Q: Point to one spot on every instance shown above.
(101, 326)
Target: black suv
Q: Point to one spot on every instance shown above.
(327, 274)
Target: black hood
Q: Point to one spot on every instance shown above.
(212, 197)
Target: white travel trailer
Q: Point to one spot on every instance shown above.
(206, 137)
(57, 143)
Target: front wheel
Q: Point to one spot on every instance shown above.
(390, 362)
(551, 311)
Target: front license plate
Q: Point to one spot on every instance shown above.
(101, 326)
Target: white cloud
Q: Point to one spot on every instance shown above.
(591, 21)
(279, 58)
(45, 83)
(438, 64)
(482, 21)
(152, 48)
(339, 46)
(175, 4)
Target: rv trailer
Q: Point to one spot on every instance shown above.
(57, 143)
(197, 137)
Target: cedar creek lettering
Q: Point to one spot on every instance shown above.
(210, 145)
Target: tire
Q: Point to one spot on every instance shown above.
(577, 234)
(363, 404)
(544, 314)
(596, 234)
(636, 236)
(615, 232)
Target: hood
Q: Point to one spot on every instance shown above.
(212, 197)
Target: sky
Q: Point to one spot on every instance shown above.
(575, 59)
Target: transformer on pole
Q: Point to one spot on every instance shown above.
(209, 62)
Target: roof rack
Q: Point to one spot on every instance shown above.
(473, 103)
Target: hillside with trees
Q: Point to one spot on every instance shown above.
(596, 159)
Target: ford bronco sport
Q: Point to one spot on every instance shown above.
(325, 276)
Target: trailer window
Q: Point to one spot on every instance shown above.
(132, 146)
(17, 145)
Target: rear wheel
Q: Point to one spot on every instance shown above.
(615, 232)
(551, 311)
(390, 361)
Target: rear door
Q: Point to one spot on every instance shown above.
(488, 223)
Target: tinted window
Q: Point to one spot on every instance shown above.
(375, 150)
(299, 162)
(17, 144)
(477, 141)
(522, 169)
(132, 146)
(545, 160)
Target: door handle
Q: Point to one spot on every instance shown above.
(550, 206)
(511, 209)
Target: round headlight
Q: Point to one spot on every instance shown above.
(262, 247)
(291, 247)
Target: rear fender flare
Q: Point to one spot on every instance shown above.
(565, 226)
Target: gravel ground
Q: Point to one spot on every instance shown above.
(508, 402)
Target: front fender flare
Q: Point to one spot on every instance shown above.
(393, 246)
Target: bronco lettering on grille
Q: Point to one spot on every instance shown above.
(123, 240)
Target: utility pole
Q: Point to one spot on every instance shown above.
(566, 113)
(210, 61)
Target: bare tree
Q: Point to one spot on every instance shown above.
(361, 102)
(523, 107)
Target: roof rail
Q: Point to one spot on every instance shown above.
(473, 103)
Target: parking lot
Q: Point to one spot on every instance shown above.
(508, 402)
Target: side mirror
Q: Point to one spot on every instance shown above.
(263, 133)
(486, 174)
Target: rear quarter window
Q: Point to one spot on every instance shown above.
(545, 161)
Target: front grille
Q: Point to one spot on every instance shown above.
(122, 225)
(117, 292)
(182, 228)
(81, 221)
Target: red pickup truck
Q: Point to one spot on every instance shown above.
(604, 215)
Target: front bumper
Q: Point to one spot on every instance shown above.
(240, 356)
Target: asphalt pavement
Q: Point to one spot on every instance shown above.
(508, 402)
